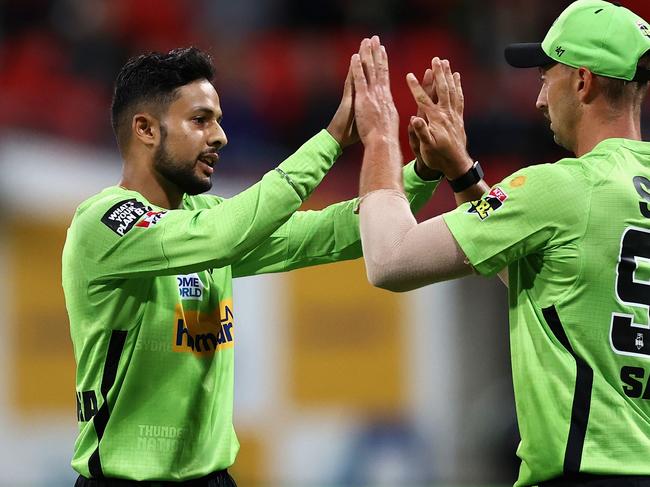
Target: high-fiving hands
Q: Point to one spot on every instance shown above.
(414, 142)
(397, 250)
(437, 133)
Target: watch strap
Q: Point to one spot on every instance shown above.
(470, 178)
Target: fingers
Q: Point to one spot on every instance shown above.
(358, 75)
(422, 131)
(348, 87)
(376, 53)
(414, 142)
(446, 85)
(374, 61)
(383, 76)
(429, 86)
(451, 84)
(419, 95)
(427, 81)
(374, 110)
(440, 80)
(367, 61)
(459, 93)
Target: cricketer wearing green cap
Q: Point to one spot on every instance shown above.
(571, 239)
(604, 37)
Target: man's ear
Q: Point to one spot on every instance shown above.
(585, 85)
(146, 128)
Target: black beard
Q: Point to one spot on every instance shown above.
(180, 173)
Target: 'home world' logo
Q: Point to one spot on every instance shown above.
(204, 333)
(190, 287)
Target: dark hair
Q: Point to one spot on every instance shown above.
(153, 78)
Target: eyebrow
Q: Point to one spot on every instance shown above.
(208, 111)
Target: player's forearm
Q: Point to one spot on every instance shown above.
(308, 238)
(307, 167)
(382, 166)
(406, 255)
(332, 234)
(259, 212)
(319, 237)
(472, 193)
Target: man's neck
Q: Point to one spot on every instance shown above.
(596, 128)
(153, 186)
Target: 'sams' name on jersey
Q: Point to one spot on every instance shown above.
(123, 216)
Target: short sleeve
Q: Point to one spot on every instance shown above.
(535, 208)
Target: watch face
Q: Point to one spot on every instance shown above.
(471, 177)
(479, 169)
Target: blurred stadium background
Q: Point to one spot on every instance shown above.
(337, 384)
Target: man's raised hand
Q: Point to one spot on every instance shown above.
(375, 113)
(439, 126)
(342, 126)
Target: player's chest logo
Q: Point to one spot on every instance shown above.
(191, 287)
(203, 334)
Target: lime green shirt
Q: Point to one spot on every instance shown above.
(575, 237)
(149, 297)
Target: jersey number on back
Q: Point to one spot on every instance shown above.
(628, 337)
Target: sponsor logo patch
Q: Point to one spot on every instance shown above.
(122, 216)
(203, 334)
(151, 218)
(190, 287)
(643, 27)
(488, 204)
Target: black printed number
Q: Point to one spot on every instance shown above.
(627, 337)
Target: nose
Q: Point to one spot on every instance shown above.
(542, 101)
(217, 137)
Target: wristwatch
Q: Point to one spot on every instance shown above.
(471, 177)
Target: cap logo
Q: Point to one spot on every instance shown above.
(643, 27)
(559, 51)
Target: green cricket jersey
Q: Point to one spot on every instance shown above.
(149, 297)
(575, 237)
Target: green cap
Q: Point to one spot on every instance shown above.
(604, 37)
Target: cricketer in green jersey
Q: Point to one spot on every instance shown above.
(571, 239)
(148, 265)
